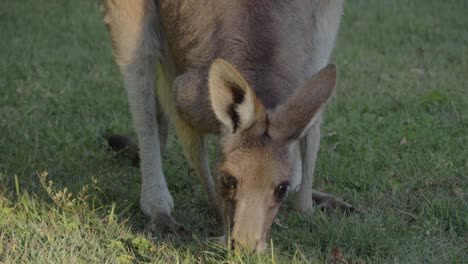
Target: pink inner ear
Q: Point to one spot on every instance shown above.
(238, 96)
(227, 92)
(232, 99)
(290, 119)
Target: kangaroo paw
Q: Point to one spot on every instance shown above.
(164, 224)
(124, 146)
(329, 202)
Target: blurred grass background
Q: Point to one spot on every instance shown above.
(394, 143)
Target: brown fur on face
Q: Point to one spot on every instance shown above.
(259, 166)
(255, 148)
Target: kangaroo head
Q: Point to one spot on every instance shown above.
(254, 170)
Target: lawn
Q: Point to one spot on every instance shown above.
(394, 144)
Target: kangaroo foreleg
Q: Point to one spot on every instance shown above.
(136, 47)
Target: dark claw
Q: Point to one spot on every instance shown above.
(328, 202)
(165, 224)
(124, 145)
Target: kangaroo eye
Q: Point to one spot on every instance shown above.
(281, 190)
(229, 181)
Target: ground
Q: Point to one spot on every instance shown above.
(394, 144)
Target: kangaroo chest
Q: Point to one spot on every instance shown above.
(268, 41)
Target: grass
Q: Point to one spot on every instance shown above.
(394, 143)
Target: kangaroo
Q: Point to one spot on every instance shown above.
(253, 72)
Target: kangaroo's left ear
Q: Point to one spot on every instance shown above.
(290, 120)
(233, 101)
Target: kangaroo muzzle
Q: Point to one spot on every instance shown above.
(251, 221)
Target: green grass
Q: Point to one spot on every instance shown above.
(394, 143)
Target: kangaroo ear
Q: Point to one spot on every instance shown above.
(233, 101)
(290, 120)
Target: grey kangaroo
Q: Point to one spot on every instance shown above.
(253, 72)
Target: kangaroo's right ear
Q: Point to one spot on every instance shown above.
(290, 120)
(233, 101)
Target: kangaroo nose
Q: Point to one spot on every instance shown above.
(261, 246)
(257, 247)
(234, 244)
